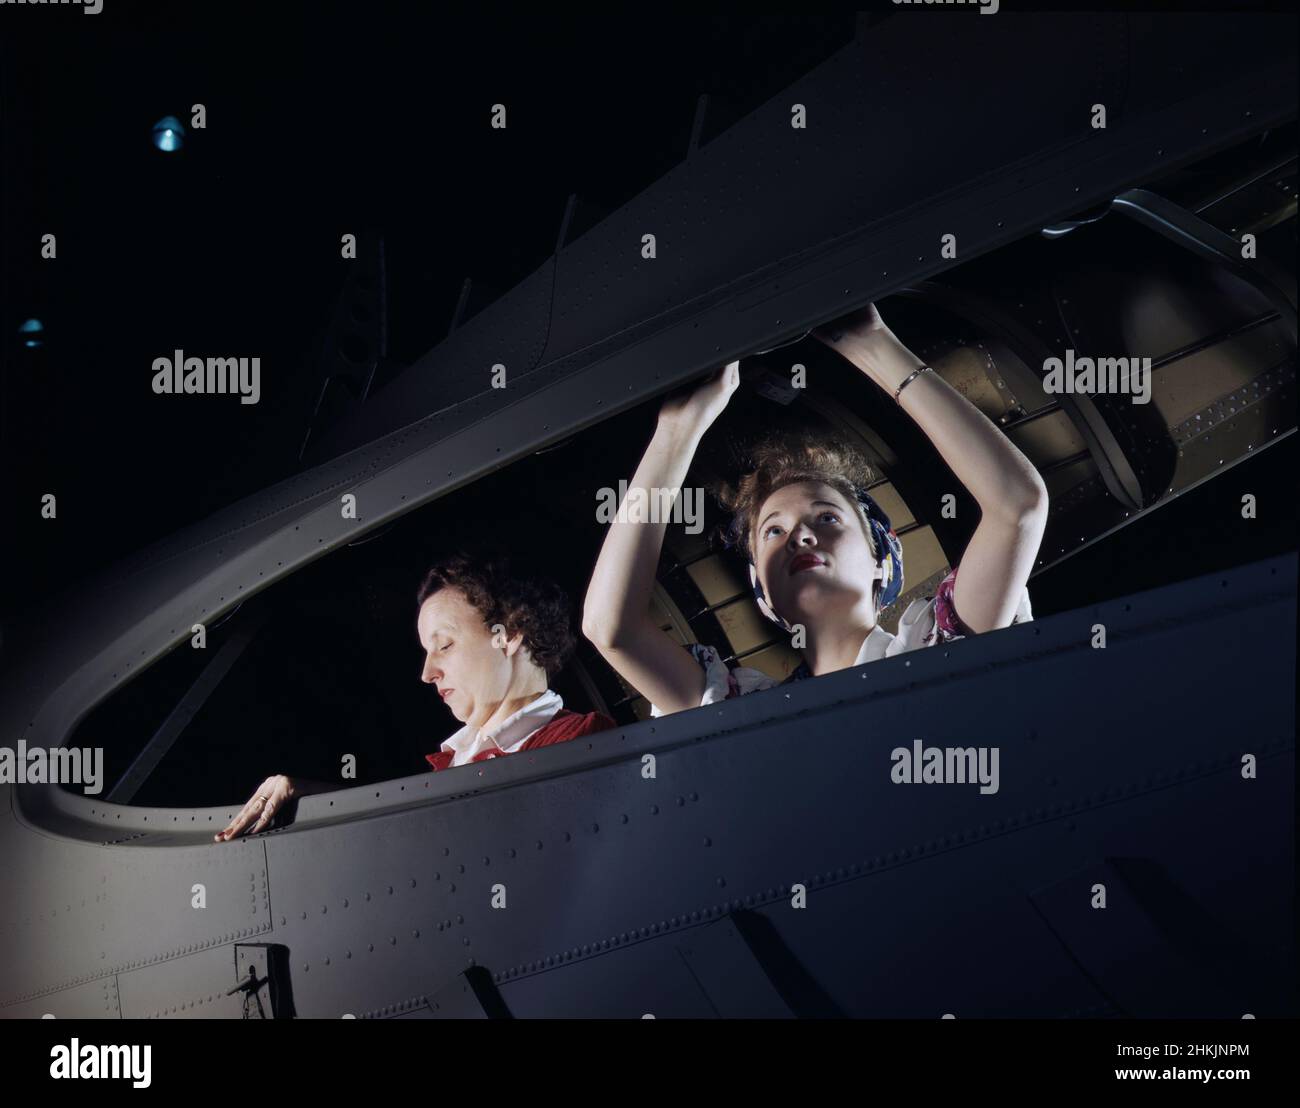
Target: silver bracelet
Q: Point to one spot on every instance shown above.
(910, 378)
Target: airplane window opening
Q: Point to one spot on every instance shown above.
(341, 628)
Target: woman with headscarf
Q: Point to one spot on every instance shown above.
(823, 558)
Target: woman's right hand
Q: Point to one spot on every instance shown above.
(699, 405)
(268, 799)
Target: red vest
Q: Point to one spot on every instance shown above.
(565, 726)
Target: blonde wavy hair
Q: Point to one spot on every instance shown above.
(789, 459)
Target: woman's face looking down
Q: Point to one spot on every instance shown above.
(814, 558)
(470, 666)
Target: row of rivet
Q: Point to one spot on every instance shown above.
(881, 861)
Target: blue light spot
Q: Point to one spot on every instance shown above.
(168, 134)
(33, 330)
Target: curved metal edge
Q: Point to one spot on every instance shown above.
(1189, 231)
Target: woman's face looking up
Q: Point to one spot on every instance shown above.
(813, 556)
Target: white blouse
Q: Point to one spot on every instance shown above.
(928, 621)
(508, 735)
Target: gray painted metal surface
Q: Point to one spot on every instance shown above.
(921, 899)
(381, 897)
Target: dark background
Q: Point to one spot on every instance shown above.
(320, 122)
(323, 118)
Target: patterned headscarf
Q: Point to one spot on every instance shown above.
(887, 544)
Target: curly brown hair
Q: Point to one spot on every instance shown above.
(786, 459)
(537, 608)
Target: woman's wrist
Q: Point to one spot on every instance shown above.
(884, 359)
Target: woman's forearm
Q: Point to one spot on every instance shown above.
(618, 598)
(1000, 478)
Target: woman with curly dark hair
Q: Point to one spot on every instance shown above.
(823, 558)
(491, 640)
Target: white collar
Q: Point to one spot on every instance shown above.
(510, 733)
(874, 645)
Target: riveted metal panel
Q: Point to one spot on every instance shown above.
(647, 980)
(579, 854)
(196, 986)
(104, 911)
(730, 973)
(96, 999)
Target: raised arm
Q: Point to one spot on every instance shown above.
(616, 615)
(1011, 494)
